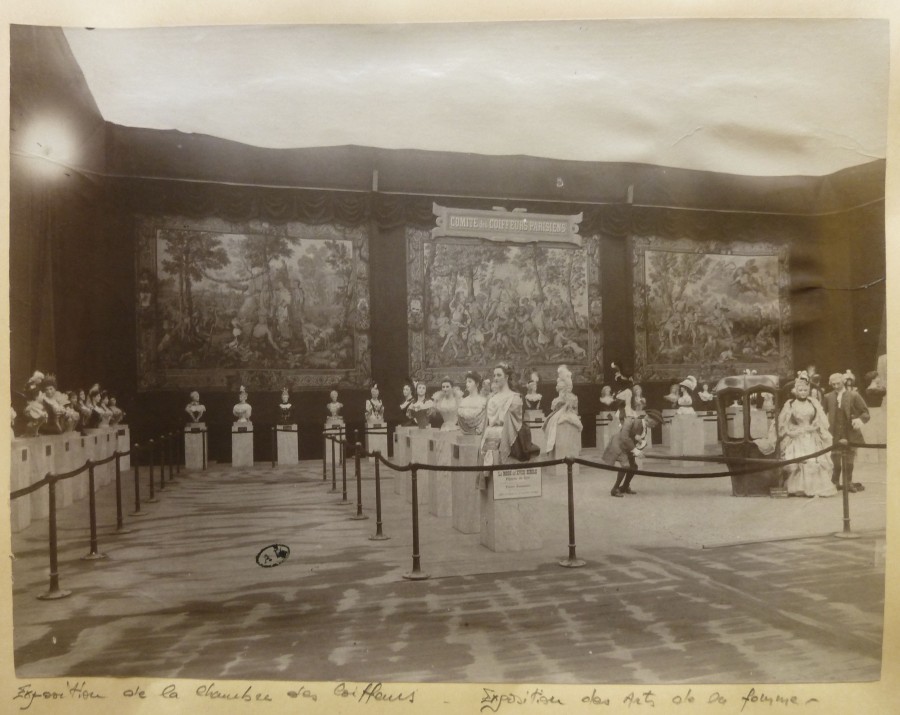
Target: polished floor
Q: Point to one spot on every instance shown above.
(682, 583)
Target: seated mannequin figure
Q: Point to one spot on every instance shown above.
(422, 408)
(285, 409)
(374, 407)
(446, 403)
(471, 412)
(564, 409)
(334, 407)
(194, 409)
(242, 410)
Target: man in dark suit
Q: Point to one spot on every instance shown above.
(847, 412)
(626, 446)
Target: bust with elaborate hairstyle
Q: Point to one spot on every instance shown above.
(242, 410)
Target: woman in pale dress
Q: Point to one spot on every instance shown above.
(803, 427)
(503, 419)
(471, 413)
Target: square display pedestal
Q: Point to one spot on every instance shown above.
(288, 453)
(418, 441)
(465, 451)
(401, 456)
(242, 444)
(606, 425)
(510, 510)
(195, 446)
(568, 444)
(667, 416)
(377, 439)
(440, 488)
(19, 478)
(710, 426)
(686, 437)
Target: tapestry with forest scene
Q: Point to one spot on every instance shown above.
(473, 302)
(710, 309)
(223, 304)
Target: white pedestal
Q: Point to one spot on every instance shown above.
(109, 442)
(667, 416)
(874, 432)
(123, 444)
(568, 444)
(195, 446)
(509, 523)
(19, 478)
(464, 493)
(418, 452)
(606, 425)
(334, 426)
(440, 489)
(401, 456)
(686, 436)
(242, 444)
(710, 421)
(288, 452)
(377, 439)
(40, 459)
(81, 454)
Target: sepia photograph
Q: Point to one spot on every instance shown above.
(545, 360)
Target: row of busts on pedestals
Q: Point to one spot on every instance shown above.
(49, 410)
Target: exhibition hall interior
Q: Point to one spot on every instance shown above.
(511, 353)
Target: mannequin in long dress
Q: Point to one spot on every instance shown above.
(503, 420)
(803, 427)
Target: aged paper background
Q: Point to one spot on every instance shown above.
(879, 697)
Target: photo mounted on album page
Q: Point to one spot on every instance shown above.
(379, 359)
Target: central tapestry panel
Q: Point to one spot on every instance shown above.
(473, 302)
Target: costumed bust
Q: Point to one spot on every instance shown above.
(194, 409)
(446, 403)
(242, 410)
(685, 399)
(422, 408)
(285, 409)
(374, 407)
(408, 399)
(334, 409)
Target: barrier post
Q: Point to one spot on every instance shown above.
(344, 500)
(274, 444)
(94, 554)
(333, 468)
(573, 561)
(120, 519)
(204, 449)
(162, 462)
(845, 489)
(416, 574)
(178, 438)
(170, 443)
(325, 464)
(137, 481)
(152, 498)
(379, 535)
(54, 592)
(357, 448)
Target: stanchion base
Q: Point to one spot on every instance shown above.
(416, 576)
(846, 535)
(54, 595)
(123, 531)
(572, 563)
(379, 537)
(137, 513)
(345, 503)
(334, 491)
(358, 517)
(93, 557)
(154, 500)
